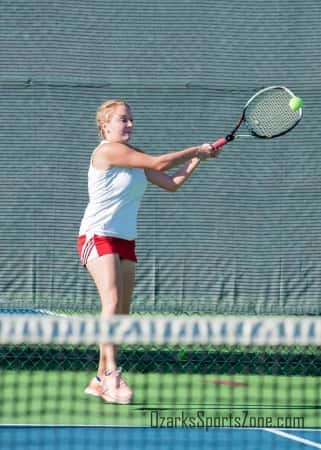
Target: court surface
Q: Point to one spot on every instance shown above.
(126, 438)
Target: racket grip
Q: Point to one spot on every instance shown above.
(219, 143)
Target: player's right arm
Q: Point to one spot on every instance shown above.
(116, 154)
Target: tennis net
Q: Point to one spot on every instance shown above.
(197, 381)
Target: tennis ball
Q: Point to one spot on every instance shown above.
(296, 103)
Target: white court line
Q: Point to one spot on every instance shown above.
(294, 438)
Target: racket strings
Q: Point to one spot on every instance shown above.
(269, 114)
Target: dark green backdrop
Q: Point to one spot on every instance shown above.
(244, 234)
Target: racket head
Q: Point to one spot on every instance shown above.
(268, 114)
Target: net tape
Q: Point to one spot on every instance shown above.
(219, 330)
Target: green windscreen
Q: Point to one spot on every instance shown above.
(243, 235)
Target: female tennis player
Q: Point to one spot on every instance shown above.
(117, 178)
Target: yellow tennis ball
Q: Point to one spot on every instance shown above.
(296, 103)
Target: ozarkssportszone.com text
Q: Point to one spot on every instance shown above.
(242, 419)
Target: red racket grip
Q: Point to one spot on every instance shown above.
(219, 143)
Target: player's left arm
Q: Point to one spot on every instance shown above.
(172, 182)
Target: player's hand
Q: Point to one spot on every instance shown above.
(206, 151)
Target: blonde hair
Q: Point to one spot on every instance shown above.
(105, 112)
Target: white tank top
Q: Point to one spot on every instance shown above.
(114, 199)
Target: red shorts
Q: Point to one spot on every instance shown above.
(95, 246)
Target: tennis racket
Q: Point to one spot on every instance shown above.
(266, 115)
